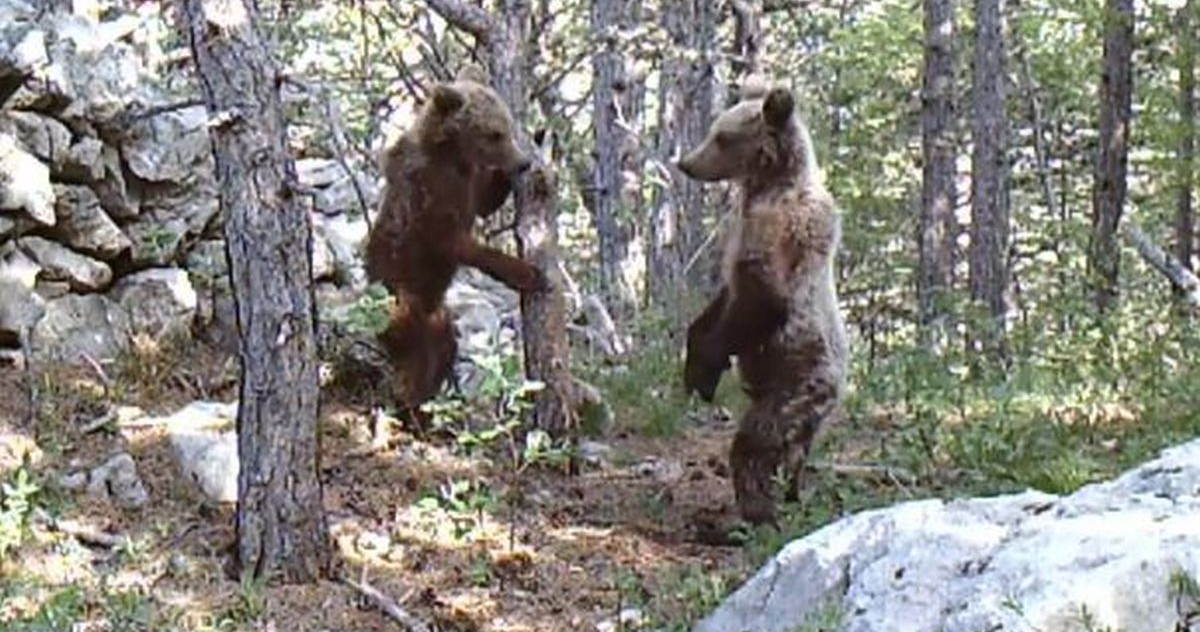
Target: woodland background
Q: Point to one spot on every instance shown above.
(1007, 172)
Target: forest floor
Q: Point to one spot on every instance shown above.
(421, 521)
(446, 527)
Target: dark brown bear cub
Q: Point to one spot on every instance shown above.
(777, 310)
(454, 164)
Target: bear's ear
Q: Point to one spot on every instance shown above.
(754, 86)
(447, 100)
(778, 107)
(475, 73)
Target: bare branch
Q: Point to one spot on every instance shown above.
(469, 18)
(1182, 278)
(389, 606)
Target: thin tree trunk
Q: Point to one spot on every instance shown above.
(938, 193)
(281, 527)
(1186, 285)
(609, 84)
(989, 209)
(1185, 219)
(748, 42)
(1108, 191)
(543, 314)
(692, 28)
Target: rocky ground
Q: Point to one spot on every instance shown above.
(425, 521)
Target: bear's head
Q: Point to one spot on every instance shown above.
(471, 120)
(759, 138)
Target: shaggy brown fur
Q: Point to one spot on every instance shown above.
(777, 311)
(455, 164)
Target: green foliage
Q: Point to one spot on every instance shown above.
(19, 495)
(60, 613)
(369, 314)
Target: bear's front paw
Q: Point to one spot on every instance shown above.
(702, 371)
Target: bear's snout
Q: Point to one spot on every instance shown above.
(523, 165)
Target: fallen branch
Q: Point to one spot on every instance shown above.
(96, 424)
(878, 473)
(79, 531)
(389, 606)
(1183, 279)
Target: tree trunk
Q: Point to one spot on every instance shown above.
(1186, 285)
(692, 28)
(281, 526)
(938, 195)
(1185, 219)
(1108, 191)
(989, 209)
(609, 85)
(748, 41)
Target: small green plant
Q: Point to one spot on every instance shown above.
(369, 314)
(60, 613)
(129, 611)
(18, 497)
(249, 605)
(828, 617)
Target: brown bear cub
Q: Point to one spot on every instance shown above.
(777, 310)
(454, 164)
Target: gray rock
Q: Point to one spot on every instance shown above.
(160, 302)
(25, 183)
(81, 324)
(110, 187)
(205, 453)
(168, 147)
(84, 225)
(41, 135)
(50, 290)
(170, 218)
(22, 46)
(84, 161)
(1029, 561)
(207, 260)
(346, 237)
(13, 11)
(324, 264)
(105, 76)
(318, 172)
(20, 309)
(118, 479)
(60, 263)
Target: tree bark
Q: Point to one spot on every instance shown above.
(748, 41)
(609, 85)
(1185, 218)
(1109, 187)
(989, 167)
(543, 314)
(281, 527)
(936, 224)
(692, 28)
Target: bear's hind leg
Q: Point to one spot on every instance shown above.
(805, 414)
(756, 453)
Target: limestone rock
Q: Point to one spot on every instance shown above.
(1028, 561)
(25, 183)
(78, 324)
(84, 226)
(20, 309)
(205, 453)
(168, 219)
(41, 135)
(118, 479)
(168, 147)
(59, 263)
(84, 161)
(160, 302)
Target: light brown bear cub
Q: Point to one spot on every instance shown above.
(454, 164)
(777, 310)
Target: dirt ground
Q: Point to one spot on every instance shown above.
(576, 551)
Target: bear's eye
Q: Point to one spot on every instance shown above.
(724, 138)
(495, 137)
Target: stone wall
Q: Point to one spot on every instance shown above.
(109, 219)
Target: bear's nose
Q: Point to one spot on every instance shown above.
(523, 165)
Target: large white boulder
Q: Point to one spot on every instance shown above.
(1106, 556)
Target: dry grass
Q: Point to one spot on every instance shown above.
(575, 552)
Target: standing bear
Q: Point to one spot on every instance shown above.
(777, 310)
(454, 164)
